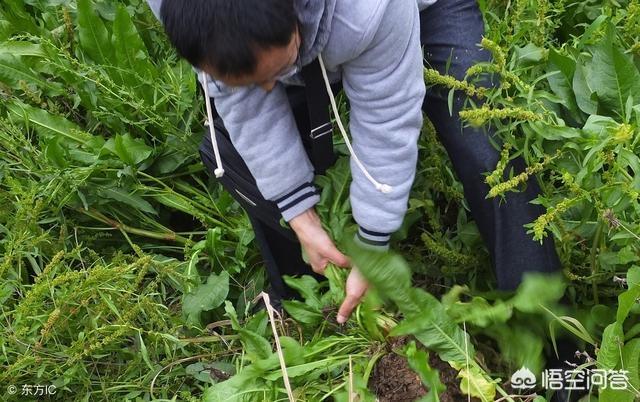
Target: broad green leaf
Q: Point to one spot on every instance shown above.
(555, 133)
(630, 361)
(600, 126)
(418, 360)
(585, 95)
(292, 350)
(337, 285)
(130, 51)
(93, 35)
(479, 312)
(387, 272)
(234, 389)
(131, 151)
(611, 346)
(257, 347)
(56, 153)
(302, 312)
(231, 313)
(561, 83)
(433, 327)
(14, 73)
(536, 290)
(529, 55)
(205, 297)
(613, 75)
(426, 318)
(633, 276)
(334, 206)
(174, 201)
(308, 288)
(323, 365)
(626, 301)
(46, 124)
(602, 315)
(21, 48)
(519, 344)
(258, 322)
(130, 199)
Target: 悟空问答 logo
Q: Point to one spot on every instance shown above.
(523, 379)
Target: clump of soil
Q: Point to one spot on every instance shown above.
(394, 381)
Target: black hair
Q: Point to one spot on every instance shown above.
(225, 34)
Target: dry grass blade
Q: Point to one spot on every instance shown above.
(283, 366)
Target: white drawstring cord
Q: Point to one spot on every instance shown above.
(384, 188)
(219, 172)
(205, 85)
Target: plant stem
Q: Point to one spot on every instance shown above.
(594, 264)
(170, 236)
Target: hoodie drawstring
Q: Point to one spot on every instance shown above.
(383, 188)
(219, 172)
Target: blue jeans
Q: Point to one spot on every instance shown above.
(451, 30)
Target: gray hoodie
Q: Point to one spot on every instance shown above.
(374, 47)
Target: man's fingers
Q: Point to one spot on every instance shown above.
(350, 302)
(336, 257)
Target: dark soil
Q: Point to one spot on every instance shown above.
(394, 381)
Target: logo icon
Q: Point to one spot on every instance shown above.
(523, 379)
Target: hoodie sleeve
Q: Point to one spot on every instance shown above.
(264, 132)
(385, 87)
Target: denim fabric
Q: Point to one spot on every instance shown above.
(451, 30)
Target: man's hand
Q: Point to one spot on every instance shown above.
(316, 242)
(356, 288)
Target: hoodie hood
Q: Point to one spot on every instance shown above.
(315, 18)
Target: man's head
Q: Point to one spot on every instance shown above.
(239, 42)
